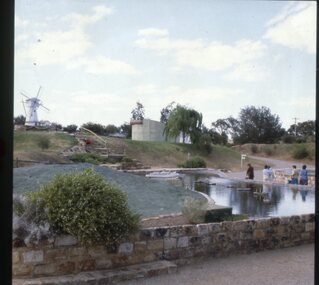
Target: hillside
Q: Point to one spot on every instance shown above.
(154, 154)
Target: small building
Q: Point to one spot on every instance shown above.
(150, 130)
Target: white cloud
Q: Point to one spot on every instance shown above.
(55, 47)
(79, 20)
(198, 54)
(69, 47)
(103, 65)
(219, 56)
(295, 27)
(153, 32)
(248, 73)
(146, 89)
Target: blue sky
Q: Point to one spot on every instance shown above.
(96, 59)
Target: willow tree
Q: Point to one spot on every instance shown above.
(185, 121)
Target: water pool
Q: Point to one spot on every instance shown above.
(250, 198)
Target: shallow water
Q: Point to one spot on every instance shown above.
(253, 199)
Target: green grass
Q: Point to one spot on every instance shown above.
(27, 141)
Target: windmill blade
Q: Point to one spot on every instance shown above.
(25, 112)
(39, 91)
(44, 107)
(24, 95)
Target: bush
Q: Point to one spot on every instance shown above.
(86, 206)
(195, 210)
(87, 157)
(254, 148)
(194, 162)
(268, 151)
(205, 143)
(288, 139)
(300, 152)
(43, 142)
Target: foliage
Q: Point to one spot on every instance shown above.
(268, 150)
(195, 210)
(127, 159)
(303, 129)
(43, 142)
(186, 121)
(254, 148)
(258, 125)
(95, 128)
(126, 129)
(19, 120)
(300, 152)
(228, 126)
(70, 128)
(165, 112)
(138, 112)
(205, 143)
(88, 158)
(194, 162)
(288, 138)
(110, 129)
(86, 206)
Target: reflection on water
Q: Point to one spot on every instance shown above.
(255, 200)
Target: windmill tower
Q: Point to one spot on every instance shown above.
(31, 106)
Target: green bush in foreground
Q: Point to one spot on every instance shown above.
(194, 162)
(84, 205)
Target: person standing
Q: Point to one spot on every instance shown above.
(266, 173)
(250, 172)
(270, 173)
(294, 175)
(303, 176)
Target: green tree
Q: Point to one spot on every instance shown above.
(19, 120)
(110, 129)
(126, 129)
(96, 128)
(138, 112)
(258, 125)
(185, 121)
(303, 129)
(70, 128)
(165, 112)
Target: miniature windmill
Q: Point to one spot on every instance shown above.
(32, 105)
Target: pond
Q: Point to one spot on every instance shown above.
(250, 198)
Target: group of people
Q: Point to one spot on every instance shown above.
(299, 177)
(268, 174)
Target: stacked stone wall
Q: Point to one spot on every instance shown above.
(64, 255)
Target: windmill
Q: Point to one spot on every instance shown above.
(31, 106)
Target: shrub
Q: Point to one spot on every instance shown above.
(86, 206)
(194, 162)
(43, 142)
(127, 159)
(288, 139)
(300, 152)
(254, 148)
(205, 143)
(268, 151)
(87, 157)
(195, 210)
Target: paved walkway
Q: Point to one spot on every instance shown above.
(289, 266)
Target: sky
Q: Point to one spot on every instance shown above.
(94, 59)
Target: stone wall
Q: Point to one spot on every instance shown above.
(64, 255)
